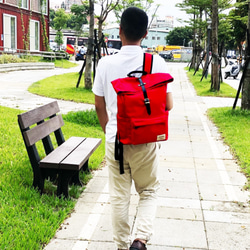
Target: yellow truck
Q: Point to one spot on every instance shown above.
(176, 50)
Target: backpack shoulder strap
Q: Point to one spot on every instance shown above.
(147, 63)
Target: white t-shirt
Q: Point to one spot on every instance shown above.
(129, 58)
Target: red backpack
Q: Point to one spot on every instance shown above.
(142, 116)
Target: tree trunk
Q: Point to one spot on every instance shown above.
(100, 29)
(199, 49)
(193, 62)
(90, 50)
(215, 80)
(245, 102)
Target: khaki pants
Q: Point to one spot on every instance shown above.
(140, 165)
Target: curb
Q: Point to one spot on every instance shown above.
(25, 66)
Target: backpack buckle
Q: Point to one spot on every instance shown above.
(141, 83)
(146, 101)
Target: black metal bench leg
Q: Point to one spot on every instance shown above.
(63, 183)
(38, 179)
(75, 180)
(85, 167)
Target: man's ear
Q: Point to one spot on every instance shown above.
(145, 34)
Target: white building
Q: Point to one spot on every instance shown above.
(163, 23)
(154, 38)
(65, 4)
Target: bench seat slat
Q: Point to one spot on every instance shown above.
(36, 115)
(53, 159)
(42, 130)
(81, 154)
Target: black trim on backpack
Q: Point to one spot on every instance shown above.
(146, 99)
(119, 154)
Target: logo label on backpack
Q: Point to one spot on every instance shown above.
(161, 137)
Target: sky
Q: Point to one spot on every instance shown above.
(167, 8)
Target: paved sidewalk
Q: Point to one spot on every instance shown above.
(14, 93)
(202, 202)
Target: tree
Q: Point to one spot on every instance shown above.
(124, 4)
(90, 50)
(78, 16)
(179, 36)
(60, 21)
(197, 9)
(106, 7)
(51, 17)
(225, 34)
(245, 102)
(237, 19)
(59, 38)
(215, 80)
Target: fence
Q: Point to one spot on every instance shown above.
(44, 54)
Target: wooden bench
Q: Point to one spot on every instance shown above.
(63, 162)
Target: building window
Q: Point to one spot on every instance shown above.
(12, 2)
(158, 38)
(44, 7)
(153, 38)
(118, 37)
(9, 32)
(40, 7)
(24, 4)
(34, 35)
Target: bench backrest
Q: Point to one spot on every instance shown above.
(46, 121)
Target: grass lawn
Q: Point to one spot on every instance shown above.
(59, 63)
(63, 87)
(66, 64)
(29, 220)
(233, 124)
(203, 88)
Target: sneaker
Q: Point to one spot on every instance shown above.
(138, 245)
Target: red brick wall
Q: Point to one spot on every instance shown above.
(6, 8)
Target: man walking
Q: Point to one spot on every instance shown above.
(140, 161)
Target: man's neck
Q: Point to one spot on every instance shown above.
(125, 42)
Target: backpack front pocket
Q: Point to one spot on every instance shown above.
(149, 130)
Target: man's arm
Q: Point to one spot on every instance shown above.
(169, 101)
(100, 106)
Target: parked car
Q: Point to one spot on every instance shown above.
(166, 55)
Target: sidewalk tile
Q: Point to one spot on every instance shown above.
(178, 189)
(183, 233)
(179, 213)
(228, 236)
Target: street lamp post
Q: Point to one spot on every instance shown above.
(209, 22)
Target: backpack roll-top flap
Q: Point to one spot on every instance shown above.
(131, 84)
